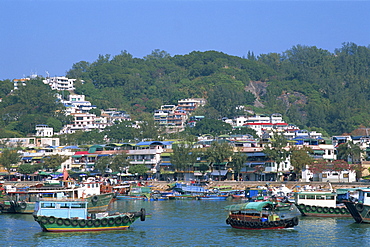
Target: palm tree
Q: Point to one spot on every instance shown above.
(237, 163)
(349, 152)
(219, 153)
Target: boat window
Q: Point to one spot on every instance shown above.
(78, 205)
(47, 205)
(320, 197)
(302, 197)
(368, 194)
(329, 197)
(312, 197)
(64, 205)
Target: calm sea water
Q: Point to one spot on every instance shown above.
(187, 223)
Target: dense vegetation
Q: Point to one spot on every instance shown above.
(309, 86)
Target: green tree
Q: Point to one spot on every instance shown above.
(140, 169)
(349, 152)
(300, 159)
(8, 158)
(238, 162)
(54, 162)
(210, 126)
(26, 169)
(119, 162)
(219, 153)
(121, 131)
(182, 157)
(103, 163)
(277, 151)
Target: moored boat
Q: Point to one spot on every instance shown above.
(23, 200)
(320, 204)
(262, 215)
(72, 216)
(360, 209)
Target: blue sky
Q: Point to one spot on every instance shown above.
(51, 35)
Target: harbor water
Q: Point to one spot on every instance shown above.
(186, 223)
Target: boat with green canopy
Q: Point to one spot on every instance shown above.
(262, 215)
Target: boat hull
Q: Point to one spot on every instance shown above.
(360, 212)
(318, 211)
(258, 225)
(115, 222)
(219, 198)
(124, 197)
(99, 203)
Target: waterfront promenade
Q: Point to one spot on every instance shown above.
(240, 185)
(236, 185)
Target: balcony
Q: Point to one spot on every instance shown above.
(144, 161)
(143, 151)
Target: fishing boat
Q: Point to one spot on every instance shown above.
(23, 200)
(72, 216)
(214, 195)
(320, 204)
(256, 194)
(262, 215)
(135, 193)
(360, 208)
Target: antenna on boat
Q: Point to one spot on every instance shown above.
(331, 188)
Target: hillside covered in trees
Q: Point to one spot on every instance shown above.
(311, 87)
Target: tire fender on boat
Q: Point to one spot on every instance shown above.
(104, 221)
(94, 198)
(82, 223)
(143, 214)
(67, 222)
(51, 220)
(97, 222)
(23, 205)
(74, 222)
(252, 224)
(360, 207)
(59, 222)
(89, 223)
(118, 220)
(295, 221)
(125, 219)
(111, 221)
(44, 220)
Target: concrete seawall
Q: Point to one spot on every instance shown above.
(241, 185)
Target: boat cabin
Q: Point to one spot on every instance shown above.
(316, 198)
(256, 194)
(364, 196)
(62, 208)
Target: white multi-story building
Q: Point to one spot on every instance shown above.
(30, 142)
(189, 105)
(60, 83)
(44, 131)
(85, 122)
(77, 104)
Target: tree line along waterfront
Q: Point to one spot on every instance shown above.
(311, 88)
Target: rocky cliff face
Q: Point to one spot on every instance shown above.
(258, 89)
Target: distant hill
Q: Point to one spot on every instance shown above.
(311, 87)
